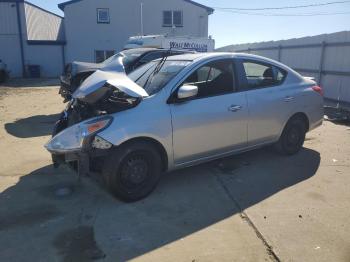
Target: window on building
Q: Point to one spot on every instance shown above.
(103, 16)
(102, 55)
(172, 18)
(167, 18)
(177, 18)
(263, 75)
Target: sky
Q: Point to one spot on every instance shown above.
(233, 28)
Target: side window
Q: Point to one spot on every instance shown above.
(261, 75)
(213, 79)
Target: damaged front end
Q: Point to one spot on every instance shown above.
(75, 136)
(78, 144)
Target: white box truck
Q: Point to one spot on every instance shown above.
(173, 42)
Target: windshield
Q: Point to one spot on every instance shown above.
(153, 84)
(129, 57)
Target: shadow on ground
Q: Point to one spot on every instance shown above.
(34, 126)
(89, 224)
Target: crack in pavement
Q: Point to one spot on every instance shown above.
(244, 216)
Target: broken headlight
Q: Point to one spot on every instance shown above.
(72, 138)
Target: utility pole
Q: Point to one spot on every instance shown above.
(141, 9)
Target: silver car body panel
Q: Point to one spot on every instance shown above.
(116, 77)
(203, 129)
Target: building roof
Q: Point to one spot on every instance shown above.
(209, 9)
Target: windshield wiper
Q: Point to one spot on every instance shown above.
(157, 68)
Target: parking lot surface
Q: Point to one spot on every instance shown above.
(257, 206)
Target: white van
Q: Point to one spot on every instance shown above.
(175, 42)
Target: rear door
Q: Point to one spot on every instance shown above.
(213, 122)
(270, 101)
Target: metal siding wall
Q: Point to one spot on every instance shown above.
(42, 25)
(48, 57)
(308, 58)
(336, 58)
(273, 54)
(8, 19)
(10, 54)
(9, 38)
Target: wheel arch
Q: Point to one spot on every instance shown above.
(158, 145)
(303, 117)
(300, 115)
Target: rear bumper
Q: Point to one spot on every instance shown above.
(316, 124)
(316, 116)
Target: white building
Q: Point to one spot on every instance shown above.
(30, 35)
(95, 29)
(90, 31)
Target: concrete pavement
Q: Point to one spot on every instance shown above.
(258, 206)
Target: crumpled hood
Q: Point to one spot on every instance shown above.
(93, 88)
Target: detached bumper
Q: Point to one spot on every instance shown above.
(79, 162)
(83, 162)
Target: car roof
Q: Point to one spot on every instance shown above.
(151, 49)
(144, 49)
(203, 56)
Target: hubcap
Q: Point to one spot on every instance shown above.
(134, 171)
(293, 137)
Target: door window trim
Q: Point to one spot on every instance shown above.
(243, 77)
(173, 98)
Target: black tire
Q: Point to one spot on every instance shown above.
(292, 138)
(133, 170)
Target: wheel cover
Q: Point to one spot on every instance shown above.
(293, 138)
(134, 171)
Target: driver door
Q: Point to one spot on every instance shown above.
(215, 121)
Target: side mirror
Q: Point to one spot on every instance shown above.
(187, 91)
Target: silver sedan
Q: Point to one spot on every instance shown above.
(182, 111)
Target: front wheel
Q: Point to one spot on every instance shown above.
(292, 138)
(133, 171)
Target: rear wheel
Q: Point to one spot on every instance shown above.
(292, 138)
(133, 171)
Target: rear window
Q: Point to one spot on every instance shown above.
(260, 75)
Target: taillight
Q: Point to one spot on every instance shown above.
(318, 89)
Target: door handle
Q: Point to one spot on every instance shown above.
(234, 108)
(288, 98)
